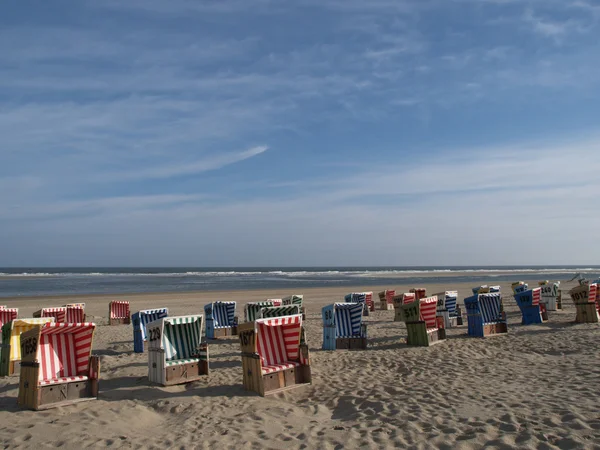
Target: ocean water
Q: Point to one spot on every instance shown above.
(37, 281)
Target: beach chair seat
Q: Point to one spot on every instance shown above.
(295, 299)
(532, 310)
(279, 311)
(585, 299)
(176, 353)
(551, 295)
(59, 313)
(365, 298)
(221, 320)
(485, 315)
(57, 366)
(140, 321)
(10, 355)
(399, 300)
(423, 326)
(448, 309)
(118, 313)
(343, 327)
(386, 300)
(275, 357)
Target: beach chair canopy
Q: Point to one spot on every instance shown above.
(488, 305)
(179, 337)
(428, 310)
(358, 297)
(75, 314)
(59, 313)
(348, 319)
(447, 300)
(142, 318)
(275, 301)
(387, 296)
(530, 297)
(278, 311)
(8, 315)
(252, 309)
(11, 332)
(408, 297)
(278, 342)
(519, 286)
(64, 352)
(223, 313)
(119, 310)
(295, 299)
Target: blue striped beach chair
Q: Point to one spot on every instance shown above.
(519, 286)
(448, 309)
(485, 315)
(140, 320)
(176, 353)
(551, 295)
(364, 298)
(343, 328)
(221, 320)
(270, 312)
(529, 303)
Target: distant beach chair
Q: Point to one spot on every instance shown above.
(269, 312)
(140, 321)
(57, 366)
(176, 353)
(519, 286)
(532, 310)
(221, 320)
(365, 298)
(274, 356)
(424, 328)
(485, 315)
(8, 315)
(343, 328)
(59, 313)
(586, 302)
(118, 313)
(419, 293)
(10, 357)
(386, 300)
(448, 309)
(485, 289)
(295, 299)
(252, 309)
(551, 296)
(75, 312)
(399, 300)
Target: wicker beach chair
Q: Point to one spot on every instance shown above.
(586, 302)
(448, 309)
(269, 312)
(399, 300)
(140, 321)
(365, 298)
(274, 358)
(57, 366)
(532, 310)
(295, 299)
(419, 293)
(386, 300)
(10, 356)
(221, 320)
(176, 353)
(485, 289)
(252, 309)
(423, 326)
(118, 313)
(551, 296)
(59, 313)
(343, 327)
(519, 286)
(8, 315)
(75, 313)
(485, 315)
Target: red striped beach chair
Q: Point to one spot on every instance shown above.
(118, 313)
(8, 315)
(422, 324)
(274, 356)
(59, 313)
(399, 300)
(10, 357)
(75, 312)
(419, 293)
(386, 300)
(586, 301)
(57, 366)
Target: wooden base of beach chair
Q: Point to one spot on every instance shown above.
(351, 343)
(586, 313)
(14, 369)
(532, 315)
(272, 383)
(385, 306)
(185, 373)
(494, 329)
(419, 335)
(121, 321)
(36, 397)
(226, 332)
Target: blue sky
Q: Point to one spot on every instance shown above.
(306, 132)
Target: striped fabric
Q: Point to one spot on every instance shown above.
(275, 301)
(428, 310)
(177, 362)
(75, 314)
(295, 299)
(360, 297)
(63, 380)
(451, 297)
(408, 297)
(182, 336)
(278, 311)
(537, 296)
(223, 313)
(147, 316)
(278, 340)
(18, 327)
(64, 350)
(419, 293)
(119, 310)
(279, 367)
(2, 306)
(8, 315)
(387, 296)
(59, 313)
(78, 305)
(490, 305)
(252, 309)
(348, 319)
(550, 290)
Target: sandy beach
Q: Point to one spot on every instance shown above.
(536, 387)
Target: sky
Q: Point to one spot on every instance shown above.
(304, 132)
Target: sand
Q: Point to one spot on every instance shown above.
(537, 387)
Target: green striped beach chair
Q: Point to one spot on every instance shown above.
(270, 312)
(296, 299)
(252, 309)
(176, 353)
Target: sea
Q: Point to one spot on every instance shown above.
(38, 281)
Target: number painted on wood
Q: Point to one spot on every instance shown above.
(328, 315)
(29, 346)
(153, 334)
(247, 338)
